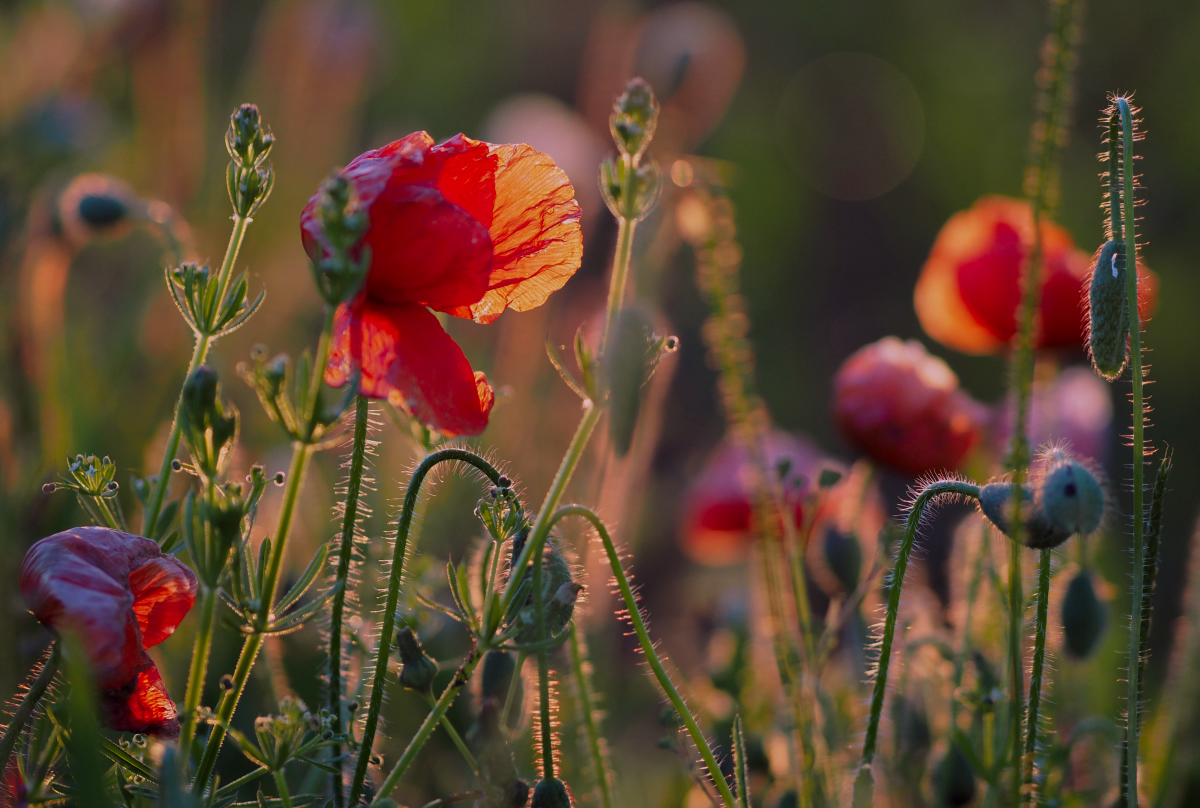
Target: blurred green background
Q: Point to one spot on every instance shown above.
(848, 131)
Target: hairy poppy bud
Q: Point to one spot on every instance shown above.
(418, 669)
(1108, 312)
(954, 779)
(634, 118)
(1069, 495)
(1083, 617)
(559, 593)
(995, 502)
(551, 793)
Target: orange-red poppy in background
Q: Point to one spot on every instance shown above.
(904, 408)
(718, 508)
(119, 594)
(467, 228)
(968, 293)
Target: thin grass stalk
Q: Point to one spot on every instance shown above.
(652, 658)
(198, 671)
(388, 623)
(358, 452)
(580, 671)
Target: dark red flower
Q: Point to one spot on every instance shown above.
(718, 508)
(968, 293)
(466, 228)
(903, 407)
(119, 594)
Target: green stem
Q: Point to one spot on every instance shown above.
(927, 495)
(199, 354)
(1029, 790)
(543, 665)
(1139, 458)
(461, 677)
(341, 584)
(285, 795)
(388, 623)
(201, 649)
(457, 740)
(25, 709)
(652, 658)
(579, 669)
(511, 695)
(620, 273)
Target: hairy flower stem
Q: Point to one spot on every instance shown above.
(652, 658)
(444, 702)
(388, 624)
(545, 723)
(1129, 230)
(29, 702)
(895, 586)
(587, 704)
(302, 452)
(1058, 57)
(159, 487)
(341, 582)
(201, 650)
(1029, 790)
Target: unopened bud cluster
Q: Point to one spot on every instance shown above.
(343, 263)
(209, 427)
(629, 187)
(249, 177)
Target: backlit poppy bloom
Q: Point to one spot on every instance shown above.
(968, 294)
(119, 594)
(904, 408)
(718, 508)
(467, 228)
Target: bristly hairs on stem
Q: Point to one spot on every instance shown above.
(593, 715)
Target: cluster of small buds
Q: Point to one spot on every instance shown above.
(212, 306)
(629, 187)
(343, 263)
(1064, 498)
(287, 397)
(502, 512)
(209, 427)
(249, 178)
(418, 669)
(89, 475)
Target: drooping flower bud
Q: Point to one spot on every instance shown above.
(1108, 312)
(1083, 617)
(1069, 494)
(209, 426)
(634, 118)
(418, 669)
(551, 793)
(995, 500)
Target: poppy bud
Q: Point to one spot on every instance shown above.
(954, 779)
(1083, 617)
(1069, 495)
(551, 793)
(559, 593)
(1108, 314)
(418, 669)
(995, 502)
(634, 118)
(208, 432)
(499, 667)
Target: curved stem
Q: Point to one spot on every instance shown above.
(388, 624)
(199, 668)
(579, 668)
(341, 583)
(25, 709)
(1029, 790)
(652, 659)
(199, 354)
(1139, 457)
(896, 584)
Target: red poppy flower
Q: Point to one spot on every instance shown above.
(120, 595)
(903, 407)
(968, 293)
(466, 228)
(718, 507)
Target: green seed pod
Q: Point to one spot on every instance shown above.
(550, 793)
(1108, 312)
(1070, 496)
(1083, 617)
(954, 780)
(1039, 533)
(418, 669)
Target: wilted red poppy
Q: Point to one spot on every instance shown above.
(467, 228)
(903, 407)
(968, 293)
(119, 594)
(718, 508)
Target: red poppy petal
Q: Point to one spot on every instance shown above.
(142, 704)
(407, 357)
(534, 227)
(468, 176)
(164, 590)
